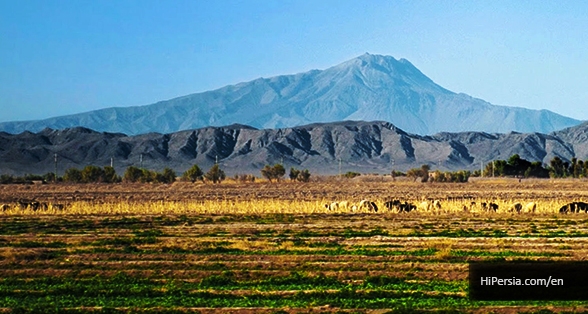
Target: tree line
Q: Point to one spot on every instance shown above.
(107, 174)
(515, 166)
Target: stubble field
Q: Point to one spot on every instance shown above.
(261, 247)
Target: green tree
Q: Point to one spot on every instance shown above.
(273, 173)
(148, 176)
(294, 173)
(193, 174)
(279, 171)
(167, 176)
(92, 174)
(425, 173)
(303, 176)
(132, 174)
(73, 175)
(110, 175)
(215, 174)
(557, 168)
(6, 179)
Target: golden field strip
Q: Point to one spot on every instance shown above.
(265, 248)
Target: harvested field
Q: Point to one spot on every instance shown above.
(210, 249)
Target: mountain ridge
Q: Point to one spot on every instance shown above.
(367, 147)
(369, 87)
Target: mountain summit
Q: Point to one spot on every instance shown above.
(369, 87)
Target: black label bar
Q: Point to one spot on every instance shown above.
(512, 281)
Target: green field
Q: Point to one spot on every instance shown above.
(271, 263)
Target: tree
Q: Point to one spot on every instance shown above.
(147, 176)
(193, 174)
(294, 173)
(275, 172)
(425, 173)
(557, 169)
(279, 171)
(215, 174)
(72, 175)
(110, 175)
(167, 176)
(303, 176)
(132, 174)
(92, 174)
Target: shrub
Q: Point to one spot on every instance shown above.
(132, 174)
(215, 174)
(73, 175)
(299, 175)
(275, 172)
(193, 174)
(351, 174)
(244, 178)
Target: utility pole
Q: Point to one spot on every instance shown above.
(141, 161)
(492, 168)
(481, 169)
(339, 167)
(55, 172)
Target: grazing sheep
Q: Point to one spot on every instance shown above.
(493, 207)
(23, 204)
(574, 207)
(374, 206)
(368, 205)
(406, 207)
(516, 207)
(28, 204)
(344, 205)
(393, 204)
(437, 204)
(4, 207)
(424, 206)
(58, 206)
(332, 206)
(530, 207)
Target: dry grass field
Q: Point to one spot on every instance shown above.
(274, 247)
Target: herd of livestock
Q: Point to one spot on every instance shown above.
(34, 205)
(394, 205)
(399, 206)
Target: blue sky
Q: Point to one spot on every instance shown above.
(64, 57)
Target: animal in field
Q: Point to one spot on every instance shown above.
(530, 207)
(406, 207)
(368, 205)
(574, 207)
(437, 204)
(424, 206)
(344, 205)
(493, 207)
(4, 207)
(332, 206)
(393, 204)
(516, 207)
(30, 204)
(58, 206)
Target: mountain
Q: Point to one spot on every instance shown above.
(369, 87)
(360, 146)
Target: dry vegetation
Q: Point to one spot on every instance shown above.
(262, 247)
